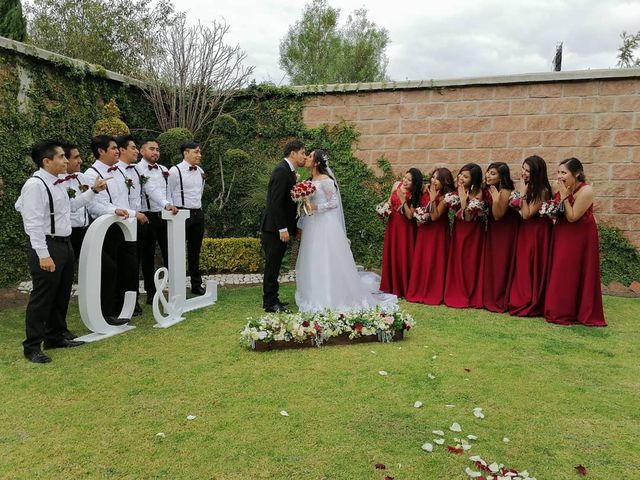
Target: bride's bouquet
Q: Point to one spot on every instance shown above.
(301, 193)
(383, 210)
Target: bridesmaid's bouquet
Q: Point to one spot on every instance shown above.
(422, 214)
(452, 200)
(301, 193)
(477, 208)
(515, 200)
(550, 209)
(383, 210)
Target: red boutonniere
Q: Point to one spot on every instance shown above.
(129, 183)
(143, 179)
(71, 192)
(165, 173)
(84, 188)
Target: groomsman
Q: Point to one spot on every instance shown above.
(155, 198)
(46, 206)
(186, 185)
(128, 154)
(119, 262)
(76, 184)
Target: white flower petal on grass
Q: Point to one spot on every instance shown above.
(439, 441)
(524, 474)
(450, 405)
(284, 413)
(383, 373)
(494, 467)
(434, 357)
(427, 447)
(471, 473)
(160, 435)
(431, 376)
(373, 352)
(477, 412)
(472, 437)
(455, 427)
(438, 432)
(191, 417)
(478, 458)
(466, 446)
(418, 404)
(505, 440)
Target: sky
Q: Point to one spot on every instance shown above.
(443, 39)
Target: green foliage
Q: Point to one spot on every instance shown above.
(231, 255)
(626, 51)
(61, 102)
(169, 143)
(316, 51)
(111, 33)
(12, 22)
(619, 259)
(111, 124)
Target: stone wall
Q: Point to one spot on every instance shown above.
(591, 115)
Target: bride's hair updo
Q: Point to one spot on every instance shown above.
(321, 161)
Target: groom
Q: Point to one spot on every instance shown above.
(279, 221)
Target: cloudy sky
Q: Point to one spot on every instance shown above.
(444, 39)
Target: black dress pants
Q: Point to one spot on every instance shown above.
(274, 250)
(194, 233)
(47, 308)
(150, 234)
(119, 271)
(77, 237)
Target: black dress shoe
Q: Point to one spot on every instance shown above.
(67, 335)
(137, 310)
(117, 321)
(197, 290)
(276, 308)
(37, 357)
(63, 344)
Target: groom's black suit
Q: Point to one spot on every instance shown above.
(280, 213)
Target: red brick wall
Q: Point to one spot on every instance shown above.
(597, 121)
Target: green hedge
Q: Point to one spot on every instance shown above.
(224, 255)
(619, 259)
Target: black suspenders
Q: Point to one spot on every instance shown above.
(51, 214)
(100, 175)
(181, 185)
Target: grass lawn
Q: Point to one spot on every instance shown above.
(563, 396)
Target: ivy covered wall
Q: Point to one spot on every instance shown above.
(43, 99)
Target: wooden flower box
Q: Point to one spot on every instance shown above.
(342, 339)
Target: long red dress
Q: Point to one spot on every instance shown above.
(526, 297)
(574, 295)
(399, 240)
(463, 283)
(499, 258)
(426, 283)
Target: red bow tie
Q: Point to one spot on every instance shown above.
(130, 166)
(72, 176)
(111, 169)
(151, 167)
(193, 167)
(59, 181)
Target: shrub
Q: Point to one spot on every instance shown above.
(231, 255)
(110, 124)
(169, 143)
(619, 259)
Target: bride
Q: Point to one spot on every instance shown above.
(326, 274)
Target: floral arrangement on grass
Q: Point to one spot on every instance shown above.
(319, 327)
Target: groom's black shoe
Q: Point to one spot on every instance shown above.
(198, 290)
(276, 308)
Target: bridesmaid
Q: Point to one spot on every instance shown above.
(526, 297)
(399, 237)
(573, 285)
(463, 284)
(500, 239)
(426, 283)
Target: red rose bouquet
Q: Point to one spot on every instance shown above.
(301, 193)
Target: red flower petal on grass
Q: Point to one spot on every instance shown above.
(455, 450)
(581, 470)
(380, 466)
(388, 478)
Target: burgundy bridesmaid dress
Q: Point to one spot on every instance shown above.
(463, 283)
(499, 258)
(526, 297)
(574, 294)
(399, 239)
(426, 283)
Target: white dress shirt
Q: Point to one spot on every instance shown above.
(132, 173)
(190, 188)
(79, 184)
(114, 196)
(33, 205)
(155, 189)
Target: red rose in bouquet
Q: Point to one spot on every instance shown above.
(300, 193)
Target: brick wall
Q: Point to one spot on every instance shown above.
(591, 115)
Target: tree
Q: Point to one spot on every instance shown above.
(12, 22)
(110, 33)
(630, 43)
(317, 51)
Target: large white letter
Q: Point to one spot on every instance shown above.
(89, 281)
(176, 277)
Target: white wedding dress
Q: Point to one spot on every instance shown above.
(326, 274)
